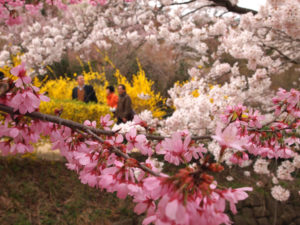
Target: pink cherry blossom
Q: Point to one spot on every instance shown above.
(229, 138)
(235, 195)
(114, 141)
(20, 72)
(25, 102)
(89, 123)
(239, 159)
(33, 9)
(137, 141)
(106, 122)
(176, 150)
(14, 20)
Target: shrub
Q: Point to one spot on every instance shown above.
(75, 110)
(140, 90)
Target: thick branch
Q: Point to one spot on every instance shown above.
(74, 125)
(233, 8)
(55, 119)
(223, 3)
(77, 126)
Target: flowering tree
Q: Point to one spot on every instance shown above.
(234, 133)
(201, 32)
(186, 26)
(102, 157)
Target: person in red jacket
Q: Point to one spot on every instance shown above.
(112, 98)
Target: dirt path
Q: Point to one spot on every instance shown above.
(44, 151)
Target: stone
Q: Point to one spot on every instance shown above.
(238, 220)
(250, 221)
(242, 220)
(263, 221)
(256, 200)
(248, 217)
(260, 211)
(247, 212)
(288, 214)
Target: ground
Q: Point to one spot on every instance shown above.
(35, 191)
(39, 189)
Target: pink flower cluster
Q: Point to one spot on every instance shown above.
(177, 151)
(24, 97)
(182, 199)
(191, 195)
(287, 101)
(17, 136)
(187, 197)
(273, 140)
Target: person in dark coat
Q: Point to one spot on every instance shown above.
(82, 92)
(124, 111)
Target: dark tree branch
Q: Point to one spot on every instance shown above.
(57, 120)
(233, 8)
(74, 125)
(183, 3)
(223, 3)
(79, 128)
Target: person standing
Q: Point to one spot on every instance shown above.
(124, 111)
(112, 98)
(82, 92)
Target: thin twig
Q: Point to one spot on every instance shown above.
(195, 10)
(122, 154)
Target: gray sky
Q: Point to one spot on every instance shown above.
(251, 4)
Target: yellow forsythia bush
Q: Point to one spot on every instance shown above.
(75, 110)
(61, 88)
(60, 92)
(140, 91)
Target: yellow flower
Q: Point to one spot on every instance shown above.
(211, 86)
(75, 110)
(195, 93)
(15, 62)
(244, 116)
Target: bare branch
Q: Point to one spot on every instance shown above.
(195, 10)
(281, 54)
